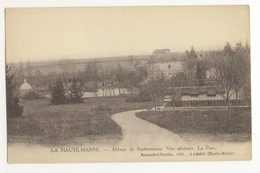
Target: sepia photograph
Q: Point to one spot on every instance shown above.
(128, 84)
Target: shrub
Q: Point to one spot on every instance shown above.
(31, 95)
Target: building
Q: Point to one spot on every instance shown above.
(163, 64)
(196, 96)
(25, 88)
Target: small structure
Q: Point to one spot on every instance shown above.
(199, 96)
(25, 88)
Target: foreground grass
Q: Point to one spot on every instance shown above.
(45, 124)
(210, 125)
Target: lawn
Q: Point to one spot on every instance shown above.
(45, 124)
(210, 125)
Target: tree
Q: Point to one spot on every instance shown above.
(58, 93)
(120, 74)
(91, 71)
(76, 94)
(175, 93)
(12, 100)
(181, 80)
(191, 63)
(232, 70)
(241, 68)
(155, 90)
(131, 80)
(201, 71)
(142, 73)
(223, 65)
(191, 53)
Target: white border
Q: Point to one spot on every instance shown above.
(212, 167)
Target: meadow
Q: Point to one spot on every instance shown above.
(54, 125)
(204, 125)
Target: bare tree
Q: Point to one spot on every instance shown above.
(231, 68)
(155, 90)
(223, 70)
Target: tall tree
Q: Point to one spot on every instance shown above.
(223, 70)
(120, 74)
(76, 94)
(12, 100)
(191, 53)
(201, 71)
(175, 93)
(142, 73)
(181, 80)
(58, 93)
(131, 81)
(191, 63)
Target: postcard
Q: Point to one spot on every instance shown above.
(128, 84)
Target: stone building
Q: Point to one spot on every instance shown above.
(163, 64)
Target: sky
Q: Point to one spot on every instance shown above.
(34, 34)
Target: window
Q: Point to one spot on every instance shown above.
(169, 66)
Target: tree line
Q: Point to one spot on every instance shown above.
(231, 69)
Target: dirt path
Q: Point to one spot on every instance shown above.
(138, 132)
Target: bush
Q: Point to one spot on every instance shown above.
(138, 99)
(31, 95)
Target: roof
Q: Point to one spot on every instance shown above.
(166, 57)
(161, 51)
(201, 98)
(25, 86)
(194, 91)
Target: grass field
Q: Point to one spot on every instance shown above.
(45, 124)
(211, 125)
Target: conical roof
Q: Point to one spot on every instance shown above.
(25, 86)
